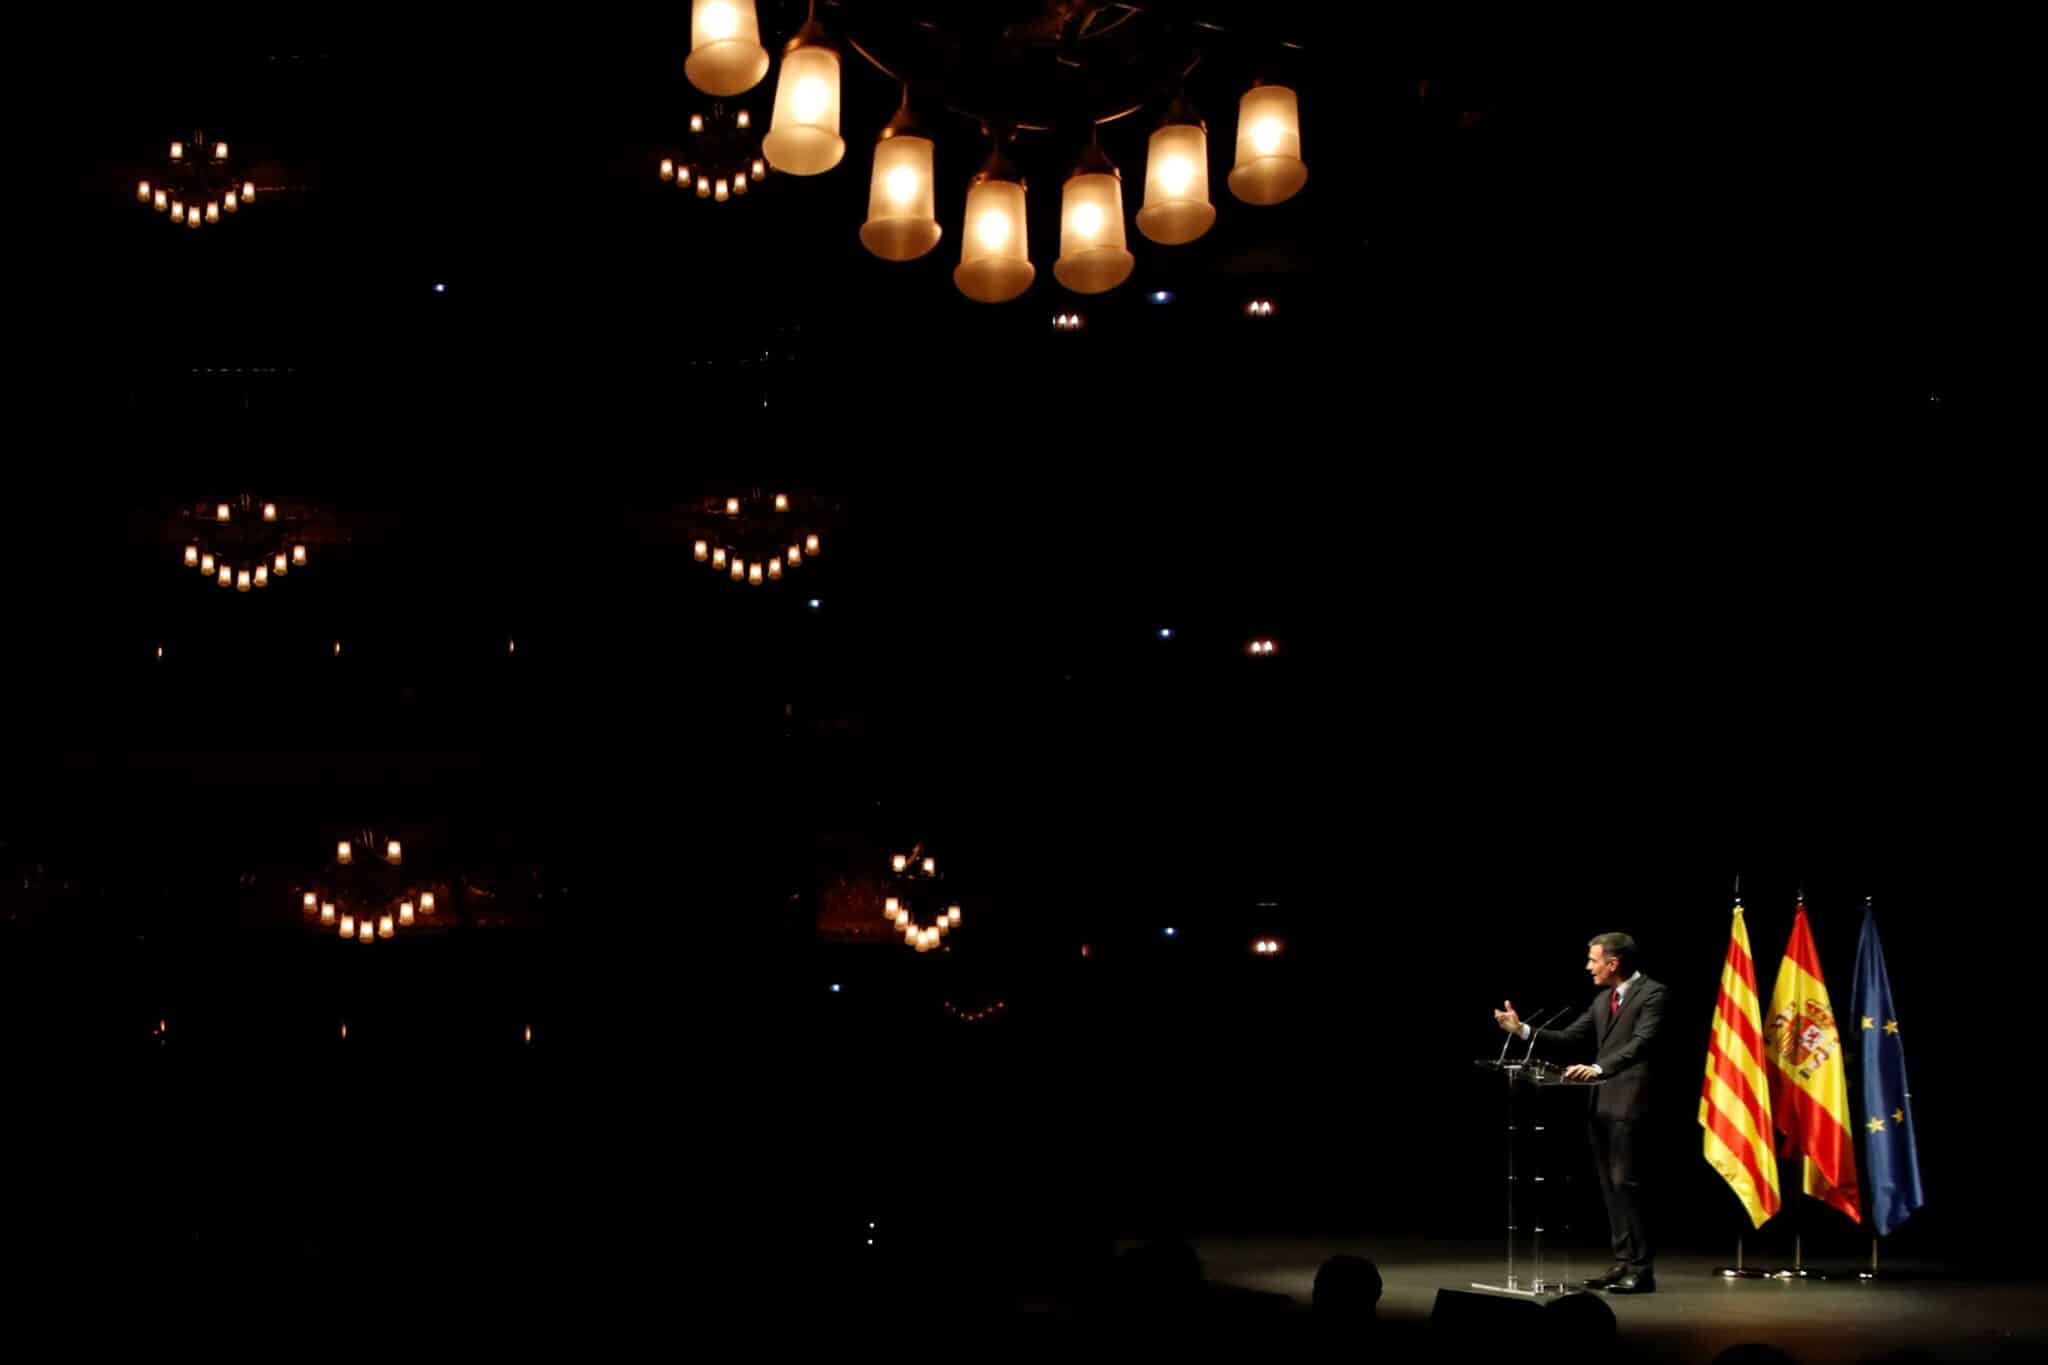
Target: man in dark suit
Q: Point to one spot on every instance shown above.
(1620, 1027)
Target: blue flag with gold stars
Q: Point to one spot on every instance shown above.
(1891, 1165)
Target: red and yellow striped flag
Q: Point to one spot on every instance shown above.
(1735, 1103)
(1809, 1086)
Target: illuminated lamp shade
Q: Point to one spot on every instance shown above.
(782, 502)
(248, 190)
(142, 192)
(775, 568)
(668, 168)
(310, 901)
(811, 546)
(344, 852)
(995, 265)
(1176, 179)
(703, 187)
(206, 564)
(701, 550)
(177, 213)
(220, 511)
(426, 902)
(365, 930)
(231, 201)
(739, 184)
(891, 906)
(191, 556)
(405, 912)
(723, 191)
(796, 556)
(192, 216)
(242, 581)
(901, 225)
(220, 151)
(261, 578)
(726, 56)
(226, 578)
(280, 565)
(177, 151)
(718, 558)
(754, 574)
(213, 211)
(384, 929)
(270, 511)
(899, 862)
(298, 556)
(803, 136)
(394, 852)
(1093, 257)
(162, 201)
(327, 913)
(348, 926)
(1269, 168)
(739, 569)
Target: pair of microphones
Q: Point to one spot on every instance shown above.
(1534, 1025)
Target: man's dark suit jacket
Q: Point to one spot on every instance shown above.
(1620, 1047)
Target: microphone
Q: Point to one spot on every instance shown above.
(1561, 1013)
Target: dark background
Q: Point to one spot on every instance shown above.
(1616, 507)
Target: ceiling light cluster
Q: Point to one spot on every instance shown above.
(757, 538)
(245, 543)
(722, 160)
(727, 58)
(197, 185)
(363, 894)
(912, 879)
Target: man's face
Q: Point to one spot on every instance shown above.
(1604, 970)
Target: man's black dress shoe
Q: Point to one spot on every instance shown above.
(1609, 1278)
(1642, 1282)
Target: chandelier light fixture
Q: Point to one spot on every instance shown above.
(758, 538)
(912, 882)
(365, 891)
(722, 158)
(197, 184)
(244, 544)
(1057, 69)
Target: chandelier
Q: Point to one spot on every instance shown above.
(1064, 72)
(722, 159)
(913, 881)
(758, 538)
(197, 184)
(244, 544)
(365, 892)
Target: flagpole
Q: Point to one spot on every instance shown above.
(1738, 1271)
(1872, 1274)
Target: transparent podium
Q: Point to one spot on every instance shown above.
(1525, 1082)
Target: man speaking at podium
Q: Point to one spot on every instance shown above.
(1620, 1026)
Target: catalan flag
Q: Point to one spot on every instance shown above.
(1735, 1102)
(1890, 1156)
(1809, 1078)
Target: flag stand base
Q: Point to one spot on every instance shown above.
(1738, 1271)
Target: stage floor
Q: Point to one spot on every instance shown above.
(1695, 1314)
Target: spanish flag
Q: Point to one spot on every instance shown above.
(1809, 1086)
(1735, 1103)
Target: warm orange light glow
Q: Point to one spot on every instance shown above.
(261, 578)
(231, 201)
(405, 912)
(717, 557)
(732, 507)
(782, 502)
(162, 201)
(365, 930)
(270, 511)
(311, 902)
(931, 865)
(191, 555)
(220, 151)
(327, 913)
(213, 212)
(668, 169)
(348, 926)
(248, 190)
(796, 556)
(392, 852)
(344, 852)
(298, 556)
(899, 862)
(696, 123)
(177, 151)
(142, 192)
(426, 902)
(754, 575)
(220, 512)
(811, 546)
(280, 565)
(384, 929)
(227, 577)
(891, 905)
(206, 563)
(775, 568)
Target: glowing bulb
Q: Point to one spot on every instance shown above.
(775, 568)
(732, 507)
(220, 512)
(213, 212)
(262, 576)
(899, 862)
(384, 929)
(811, 99)
(696, 123)
(206, 564)
(703, 188)
(227, 577)
(163, 201)
(231, 201)
(1175, 174)
(344, 852)
(1087, 220)
(405, 912)
(754, 575)
(327, 912)
(701, 551)
(722, 191)
(668, 168)
(993, 229)
(744, 120)
(248, 190)
(392, 852)
(782, 502)
(931, 866)
(310, 901)
(760, 168)
(739, 569)
(811, 546)
(177, 213)
(739, 184)
(270, 511)
(348, 926)
(191, 555)
(220, 151)
(901, 185)
(891, 906)
(1266, 135)
(365, 930)
(142, 192)
(796, 556)
(426, 902)
(718, 558)
(177, 151)
(298, 556)
(719, 21)
(280, 565)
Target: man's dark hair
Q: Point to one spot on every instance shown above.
(1616, 945)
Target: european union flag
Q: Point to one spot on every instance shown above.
(1891, 1165)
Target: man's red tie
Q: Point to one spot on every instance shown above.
(1613, 1004)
